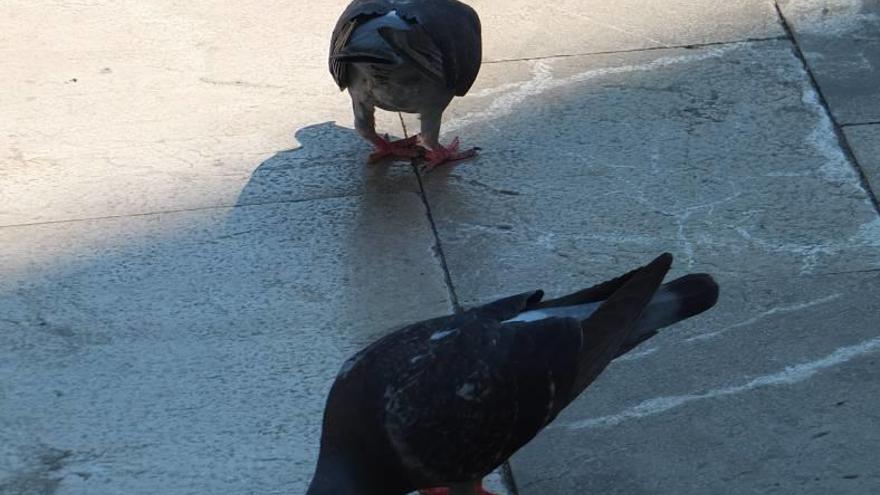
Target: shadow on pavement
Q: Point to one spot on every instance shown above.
(322, 167)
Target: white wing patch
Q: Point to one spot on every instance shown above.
(533, 315)
(442, 334)
(579, 311)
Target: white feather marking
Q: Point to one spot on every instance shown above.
(580, 311)
(441, 334)
(530, 316)
(466, 391)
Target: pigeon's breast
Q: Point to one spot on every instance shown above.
(393, 87)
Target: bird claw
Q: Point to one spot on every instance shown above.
(441, 155)
(403, 148)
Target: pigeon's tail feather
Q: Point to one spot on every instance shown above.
(611, 325)
(674, 301)
(679, 299)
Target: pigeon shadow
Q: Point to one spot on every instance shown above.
(383, 204)
(329, 162)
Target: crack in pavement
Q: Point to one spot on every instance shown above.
(788, 376)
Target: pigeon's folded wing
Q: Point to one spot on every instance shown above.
(487, 388)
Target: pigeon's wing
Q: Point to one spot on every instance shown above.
(451, 398)
(416, 46)
(477, 393)
(486, 388)
(455, 28)
(357, 12)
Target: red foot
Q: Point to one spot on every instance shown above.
(445, 491)
(442, 155)
(404, 148)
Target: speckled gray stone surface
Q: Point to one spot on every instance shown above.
(190, 243)
(724, 156)
(593, 163)
(192, 352)
(771, 392)
(112, 109)
(865, 143)
(841, 41)
(519, 28)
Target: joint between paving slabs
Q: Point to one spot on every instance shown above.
(689, 46)
(838, 128)
(858, 124)
(508, 479)
(438, 245)
(506, 470)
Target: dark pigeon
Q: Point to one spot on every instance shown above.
(443, 402)
(409, 56)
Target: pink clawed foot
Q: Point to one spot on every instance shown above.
(441, 155)
(445, 491)
(403, 148)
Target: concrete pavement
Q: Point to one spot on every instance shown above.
(191, 244)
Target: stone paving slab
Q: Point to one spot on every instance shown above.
(722, 155)
(524, 29)
(169, 110)
(841, 41)
(162, 106)
(773, 392)
(192, 352)
(865, 143)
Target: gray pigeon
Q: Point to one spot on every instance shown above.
(408, 56)
(443, 402)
